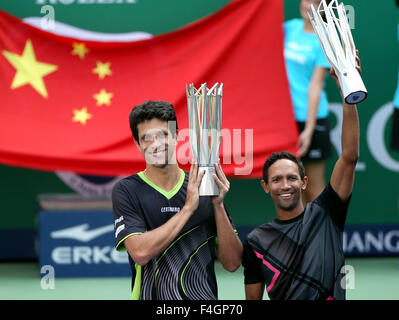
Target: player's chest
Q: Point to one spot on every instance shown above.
(158, 209)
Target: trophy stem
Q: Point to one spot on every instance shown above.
(208, 186)
(352, 86)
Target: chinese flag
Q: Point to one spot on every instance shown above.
(65, 103)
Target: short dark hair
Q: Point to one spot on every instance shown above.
(148, 110)
(282, 155)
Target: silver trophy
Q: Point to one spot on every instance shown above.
(336, 39)
(205, 127)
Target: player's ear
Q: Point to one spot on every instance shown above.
(305, 183)
(176, 137)
(265, 186)
(136, 143)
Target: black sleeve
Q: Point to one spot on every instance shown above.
(334, 206)
(128, 220)
(251, 264)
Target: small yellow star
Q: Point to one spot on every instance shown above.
(102, 69)
(79, 49)
(103, 97)
(29, 70)
(81, 115)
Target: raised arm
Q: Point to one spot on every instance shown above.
(229, 246)
(343, 175)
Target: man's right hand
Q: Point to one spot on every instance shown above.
(194, 181)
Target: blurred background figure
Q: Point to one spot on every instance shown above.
(306, 68)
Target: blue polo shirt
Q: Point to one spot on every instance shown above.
(303, 52)
(396, 97)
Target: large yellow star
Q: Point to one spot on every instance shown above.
(103, 97)
(29, 70)
(79, 49)
(103, 69)
(81, 115)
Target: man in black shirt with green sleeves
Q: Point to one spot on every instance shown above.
(171, 234)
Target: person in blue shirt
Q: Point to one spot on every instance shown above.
(306, 68)
(395, 122)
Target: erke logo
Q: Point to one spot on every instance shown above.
(94, 254)
(81, 232)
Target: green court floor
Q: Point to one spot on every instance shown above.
(370, 278)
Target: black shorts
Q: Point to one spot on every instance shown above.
(395, 130)
(320, 147)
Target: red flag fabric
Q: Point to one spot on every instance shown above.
(65, 102)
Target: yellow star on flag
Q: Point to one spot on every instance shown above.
(79, 49)
(102, 69)
(81, 115)
(103, 97)
(29, 70)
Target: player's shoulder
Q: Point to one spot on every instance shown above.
(326, 200)
(327, 193)
(258, 232)
(129, 183)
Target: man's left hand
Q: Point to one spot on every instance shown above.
(222, 183)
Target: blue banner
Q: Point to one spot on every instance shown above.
(80, 244)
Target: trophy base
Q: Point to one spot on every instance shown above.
(208, 186)
(356, 97)
(352, 86)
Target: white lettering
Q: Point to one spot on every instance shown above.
(348, 281)
(356, 242)
(118, 220)
(248, 151)
(375, 137)
(81, 253)
(47, 281)
(184, 311)
(389, 245)
(231, 148)
(350, 13)
(119, 229)
(99, 255)
(67, 2)
(376, 242)
(42, 2)
(88, 255)
(61, 255)
(47, 21)
(119, 257)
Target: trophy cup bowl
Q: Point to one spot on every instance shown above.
(205, 125)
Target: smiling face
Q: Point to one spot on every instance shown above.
(156, 143)
(285, 185)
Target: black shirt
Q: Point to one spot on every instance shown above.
(185, 269)
(300, 258)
